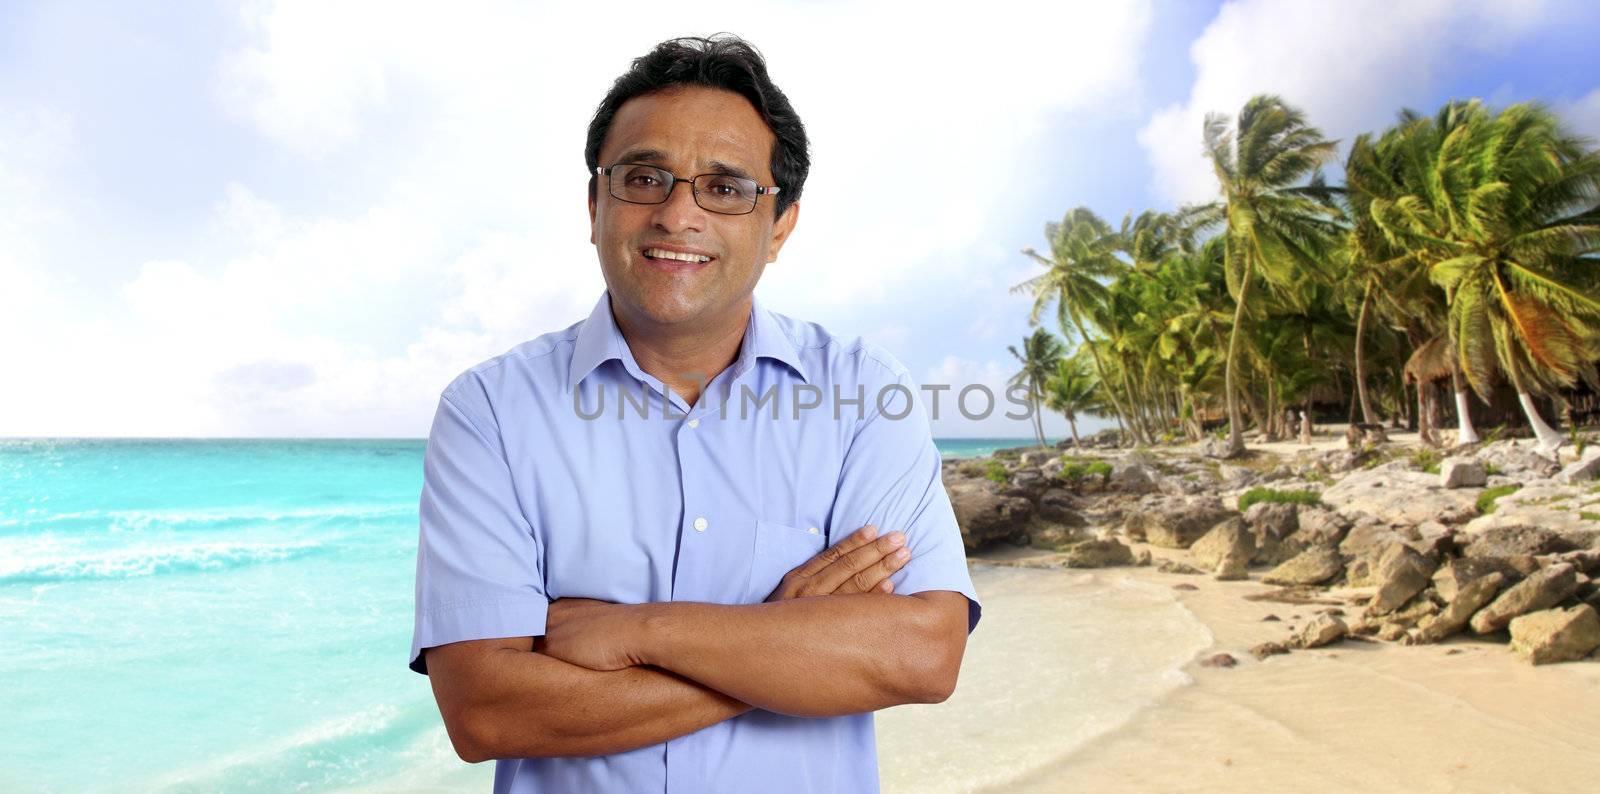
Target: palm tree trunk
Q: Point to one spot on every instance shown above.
(1235, 419)
(1100, 370)
(1361, 368)
(1465, 434)
(1072, 423)
(1038, 413)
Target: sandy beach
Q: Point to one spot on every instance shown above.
(1458, 716)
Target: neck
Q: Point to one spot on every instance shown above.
(685, 359)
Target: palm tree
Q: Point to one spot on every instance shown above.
(1083, 253)
(1071, 390)
(1040, 355)
(1519, 202)
(1275, 228)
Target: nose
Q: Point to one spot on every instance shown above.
(679, 212)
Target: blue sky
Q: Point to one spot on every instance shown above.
(302, 219)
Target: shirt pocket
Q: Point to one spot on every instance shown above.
(780, 548)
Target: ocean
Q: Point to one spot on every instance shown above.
(205, 615)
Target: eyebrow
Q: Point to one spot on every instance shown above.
(658, 157)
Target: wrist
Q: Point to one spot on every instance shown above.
(653, 633)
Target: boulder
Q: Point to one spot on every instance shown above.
(1460, 472)
(1456, 574)
(1556, 635)
(1520, 461)
(1272, 519)
(1400, 574)
(1466, 601)
(1409, 497)
(1322, 630)
(1542, 590)
(1059, 506)
(1368, 539)
(1229, 538)
(1136, 478)
(1316, 565)
(1100, 553)
(985, 515)
(1512, 541)
(1546, 504)
(1320, 526)
(1581, 470)
(1175, 522)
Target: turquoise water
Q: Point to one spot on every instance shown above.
(216, 614)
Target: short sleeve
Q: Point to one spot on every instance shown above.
(479, 574)
(891, 479)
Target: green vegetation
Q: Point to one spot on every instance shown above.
(1588, 516)
(1489, 496)
(997, 471)
(1459, 248)
(1427, 460)
(1255, 495)
(1075, 469)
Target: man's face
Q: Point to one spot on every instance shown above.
(687, 130)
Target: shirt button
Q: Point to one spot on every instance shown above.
(813, 530)
(700, 524)
(694, 423)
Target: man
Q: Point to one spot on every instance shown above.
(628, 580)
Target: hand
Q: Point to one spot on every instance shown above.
(591, 633)
(861, 563)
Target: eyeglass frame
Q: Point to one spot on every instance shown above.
(674, 179)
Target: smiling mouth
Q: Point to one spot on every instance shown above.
(674, 258)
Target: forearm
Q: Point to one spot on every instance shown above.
(538, 706)
(821, 656)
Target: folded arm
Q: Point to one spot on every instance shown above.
(808, 657)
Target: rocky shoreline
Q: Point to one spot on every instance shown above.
(1384, 543)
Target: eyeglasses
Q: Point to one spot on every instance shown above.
(726, 194)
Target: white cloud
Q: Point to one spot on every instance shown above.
(1350, 66)
(1584, 115)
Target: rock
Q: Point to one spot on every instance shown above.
(1034, 457)
(1266, 649)
(1581, 470)
(1273, 518)
(1556, 635)
(986, 516)
(1315, 565)
(1358, 573)
(1456, 574)
(1172, 566)
(1546, 504)
(1219, 660)
(1175, 522)
(1232, 568)
(1367, 540)
(1457, 472)
(1408, 497)
(1141, 557)
(1391, 632)
(1215, 448)
(1471, 597)
(1322, 630)
(1542, 590)
(1054, 536)
(1051, 468)
(1517, 461)
(1511, 541)
(1184, 586)
(1320, 526)
(1415, 611)
(1400, 574)
(1098, 554)
(1229, 538)
(1059, 506)
(1136, 478)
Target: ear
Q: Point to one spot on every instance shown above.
(591, 218)
(781, 230)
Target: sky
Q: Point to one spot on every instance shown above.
(303, 219)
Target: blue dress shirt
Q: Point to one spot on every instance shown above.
(561, 469)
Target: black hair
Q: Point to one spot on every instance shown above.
(722, 61)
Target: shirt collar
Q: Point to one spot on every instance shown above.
(600, 340)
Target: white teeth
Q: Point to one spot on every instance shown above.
(657, 253)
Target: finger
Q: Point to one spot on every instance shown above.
(828, 556)
(830, 578)
(878, 573)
